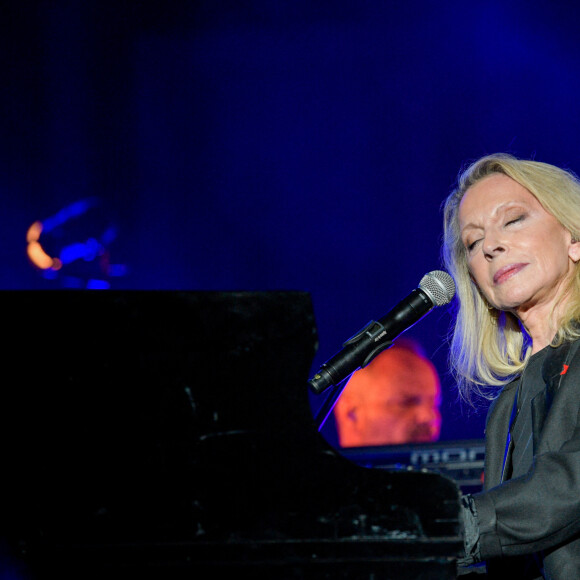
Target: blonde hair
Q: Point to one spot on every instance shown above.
(489, 347)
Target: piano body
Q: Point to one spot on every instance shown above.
(168, 434)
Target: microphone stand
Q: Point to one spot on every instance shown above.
(326, 408)
(336, 390)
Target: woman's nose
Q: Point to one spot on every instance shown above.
(493, 245)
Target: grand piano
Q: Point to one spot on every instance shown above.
(168, 434)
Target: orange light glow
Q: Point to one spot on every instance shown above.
(38, 256)
(34, 232)
(35, 251)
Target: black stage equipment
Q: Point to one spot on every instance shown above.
(167, 434)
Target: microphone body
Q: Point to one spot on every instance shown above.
(435, 289)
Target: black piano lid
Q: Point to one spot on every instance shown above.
(171, 431)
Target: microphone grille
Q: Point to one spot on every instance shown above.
(439, 286)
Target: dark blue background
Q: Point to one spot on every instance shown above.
(265, 145)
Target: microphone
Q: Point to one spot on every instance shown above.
(435, 289)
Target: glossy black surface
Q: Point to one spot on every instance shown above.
(169, 434)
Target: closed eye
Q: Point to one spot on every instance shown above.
(471, 246)
(515, 220)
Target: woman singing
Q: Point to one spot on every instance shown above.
(511, 231)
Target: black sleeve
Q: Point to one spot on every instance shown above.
(536, 511)
(470, 532)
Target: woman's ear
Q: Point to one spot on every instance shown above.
(574, 250)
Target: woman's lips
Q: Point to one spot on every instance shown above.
(507, 272)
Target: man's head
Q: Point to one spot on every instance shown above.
(394, 400)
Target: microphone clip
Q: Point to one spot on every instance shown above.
(374, 331)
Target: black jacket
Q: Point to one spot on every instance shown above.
(536, 515)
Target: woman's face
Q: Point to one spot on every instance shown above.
(518, 254)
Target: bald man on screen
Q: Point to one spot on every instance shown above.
(394, 400)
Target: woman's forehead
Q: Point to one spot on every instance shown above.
(490, 195)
